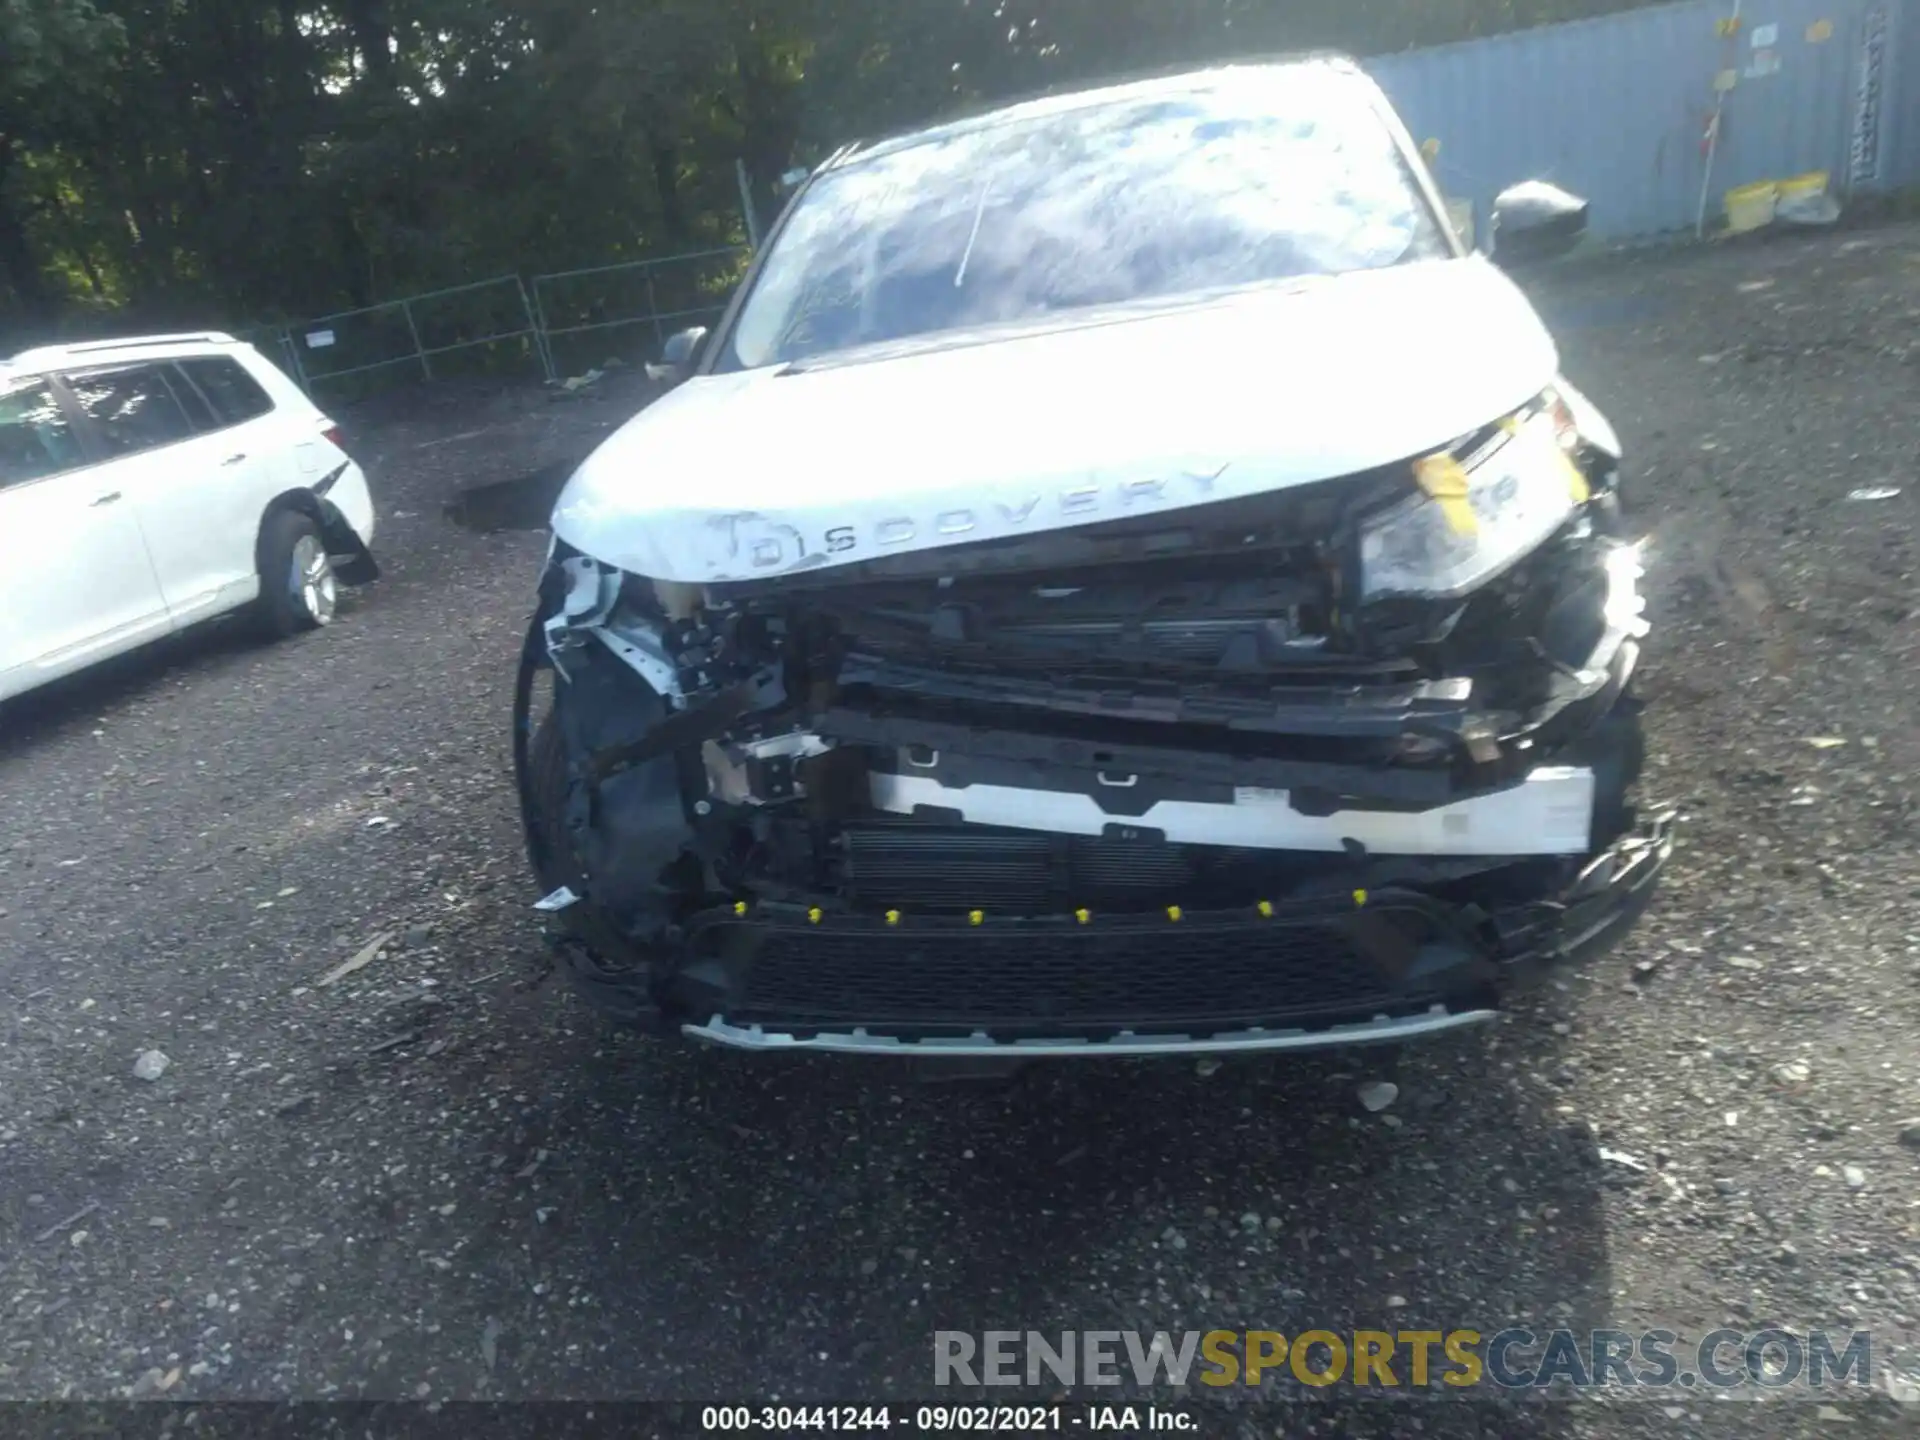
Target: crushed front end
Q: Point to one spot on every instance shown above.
(1215, 779)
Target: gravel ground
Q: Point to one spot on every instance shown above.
(441, 1177)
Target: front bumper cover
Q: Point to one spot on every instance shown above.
(1388, 966)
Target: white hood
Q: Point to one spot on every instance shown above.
(760, 473)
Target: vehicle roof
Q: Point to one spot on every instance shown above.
(1182, 82)
(136, 347)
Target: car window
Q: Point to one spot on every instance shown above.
(199, 411)
(1137, 198)
(234, 394)
(35, 438)
(132, 406)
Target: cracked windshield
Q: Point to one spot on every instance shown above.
(1059, 716)
(1129, 199)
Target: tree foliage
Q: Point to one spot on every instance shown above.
(183, 161)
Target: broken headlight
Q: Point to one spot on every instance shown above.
(1475, 515)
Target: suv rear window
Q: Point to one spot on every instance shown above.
(35, 438)
(234, 394)
(132, 406)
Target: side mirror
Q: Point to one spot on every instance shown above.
(1536, 221)
(677, 356)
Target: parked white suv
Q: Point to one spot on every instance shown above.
(149, 484)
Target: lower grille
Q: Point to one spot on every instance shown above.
(963, 866)
(913, 864)
(1039, 974)
(1239, 643)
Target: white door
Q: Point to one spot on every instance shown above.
(194, 484)
(76, 584)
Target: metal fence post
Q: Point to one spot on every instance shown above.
(653, 304)
(537, 325)
(414, 330)
(746, 203)
(292, 349)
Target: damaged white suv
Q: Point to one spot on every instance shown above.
(149, 484)
(1120, 579)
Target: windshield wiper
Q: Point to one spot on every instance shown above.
(979, 213)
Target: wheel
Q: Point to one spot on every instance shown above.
(298, 589)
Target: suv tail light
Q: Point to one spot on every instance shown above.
(330, 432)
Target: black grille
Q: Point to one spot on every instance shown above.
(916, 864)
(1240, 614)
(1238, 643)
(965, 866)
(1038, 975)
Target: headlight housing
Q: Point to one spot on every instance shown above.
(1475, 515)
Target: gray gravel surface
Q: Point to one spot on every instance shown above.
(440, 1177)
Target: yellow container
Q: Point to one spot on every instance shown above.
(1750, 207)
(1814, 182)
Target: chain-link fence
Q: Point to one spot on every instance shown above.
(554, 325)
(627, 311)
(481, 328)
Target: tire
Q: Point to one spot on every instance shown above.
(600, 964)
(298, 589)
(547, 798)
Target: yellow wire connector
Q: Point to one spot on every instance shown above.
(739, 907)
(1445, 481)
(1083, 916)
(1360, 897)
(1266, 909)
(813, 915)
(893, 917)
(976, 917)
(1173, 912)
(1576, 480)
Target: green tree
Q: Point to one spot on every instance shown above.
(56, 57)
(201, 160)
